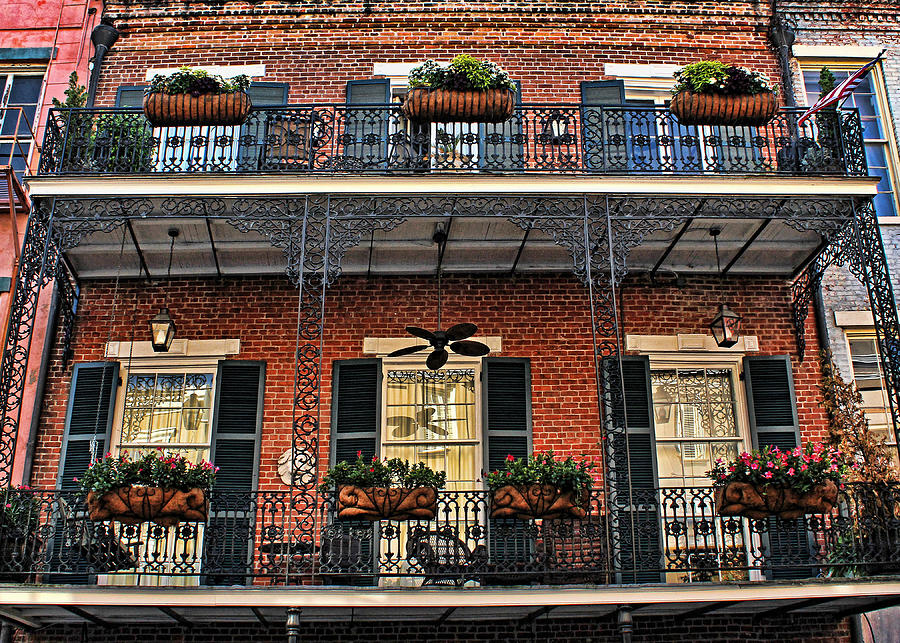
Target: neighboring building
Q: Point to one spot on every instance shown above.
(591, 239)
(41, 44)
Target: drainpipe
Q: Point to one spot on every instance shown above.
(782, 36)
(821, 318)
(103, 36)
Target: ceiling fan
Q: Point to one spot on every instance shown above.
(455, 338)
(405, 426)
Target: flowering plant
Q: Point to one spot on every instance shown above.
(541, 468)
(154, 469)
(382, 473)
(193, 81)
(800, 469)
(715, 77)
(19, 507)
(463, 72)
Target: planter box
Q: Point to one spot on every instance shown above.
(164, 110)
(134, 505)
(744, 499)
(386, 503)
(713, 109)
(535, 501)
(459, 106)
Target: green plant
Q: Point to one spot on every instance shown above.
(381, 473)
(542, 468)
(154, 469)
(848, 428)
(76, 95)
(715, 77)
(188, 80)
(827, 81)
(801, 468)
(463, 72)
(19, 507)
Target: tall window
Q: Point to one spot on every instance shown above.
(18, 90)
(431, 417)
(866, 363)
(870, 99)
(694, 411)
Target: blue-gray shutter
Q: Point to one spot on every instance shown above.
(506, 401)
(503, 144)
(365, 132)
(236, 429)
(602, 125)
(773, 422)
(634, 460)
(88, 417)
(252, 139)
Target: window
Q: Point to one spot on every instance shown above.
(18, 89)
(870, 99)
(866, 364)
(432, 417)
(696, 420)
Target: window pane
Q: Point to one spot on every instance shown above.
(163, 409)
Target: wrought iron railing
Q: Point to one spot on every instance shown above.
(379, 139)
(668, 535)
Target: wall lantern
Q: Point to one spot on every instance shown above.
(662, 402)
(162, 326)
(726, 327)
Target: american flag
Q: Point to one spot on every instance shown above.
(841, 92)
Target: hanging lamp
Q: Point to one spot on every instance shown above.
(162, 326)
(726, 325)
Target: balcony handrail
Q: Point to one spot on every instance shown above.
(336, 138)
(21, 118)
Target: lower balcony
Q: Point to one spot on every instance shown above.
(668, 535)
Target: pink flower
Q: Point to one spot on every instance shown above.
(217, 469)
(790, 471)
(803, 467)
(359, 453)
(510, 457)
(74, 479)
(754, 466)
(8, 506)
(767, 474)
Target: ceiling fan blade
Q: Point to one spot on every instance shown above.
(437, 359)
(437, 428)
(424, 416)
(461, 331)
(420, 332)
(406, 351)
(470, 348)
(405, 426)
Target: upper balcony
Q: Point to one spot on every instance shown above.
(549, 139)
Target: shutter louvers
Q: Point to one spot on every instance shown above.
(355, 408)
(603, 130)
(237, 424)
(89, 416)
(640, 455)
(506, 396)
(262, 94)
(366, 129)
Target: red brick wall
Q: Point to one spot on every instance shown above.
(720, 629)
(547, 46)
(544, 318)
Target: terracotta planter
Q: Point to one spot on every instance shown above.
(535, 501)
(713, 109)
(163, 110)
(383, 503)
(744, 499)
(459, 106)
(133, 505)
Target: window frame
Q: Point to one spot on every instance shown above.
(870, 334)
(876, 76)
(12, 71)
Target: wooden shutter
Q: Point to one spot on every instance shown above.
(253, 137)
(773, 422)
(366, 129)
(602, 126)
(236, 428)
(355, 409)
(770, 395)
(88, 416)
(506, 401)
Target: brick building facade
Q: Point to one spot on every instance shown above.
(591, 238)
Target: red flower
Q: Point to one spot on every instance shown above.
(510, 458)
(372, 469)
(359, 453)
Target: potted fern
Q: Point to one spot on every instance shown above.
(540, 486)
(384, 489)
(193, 96)
(714, 93)
(465, 91)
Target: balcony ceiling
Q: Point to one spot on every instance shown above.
(109, 606)
(491, 245)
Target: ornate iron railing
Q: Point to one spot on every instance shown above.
(379, 139)
(667, 535)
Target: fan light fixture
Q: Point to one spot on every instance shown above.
(454, 338)
(726, 326)
(162, 326)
